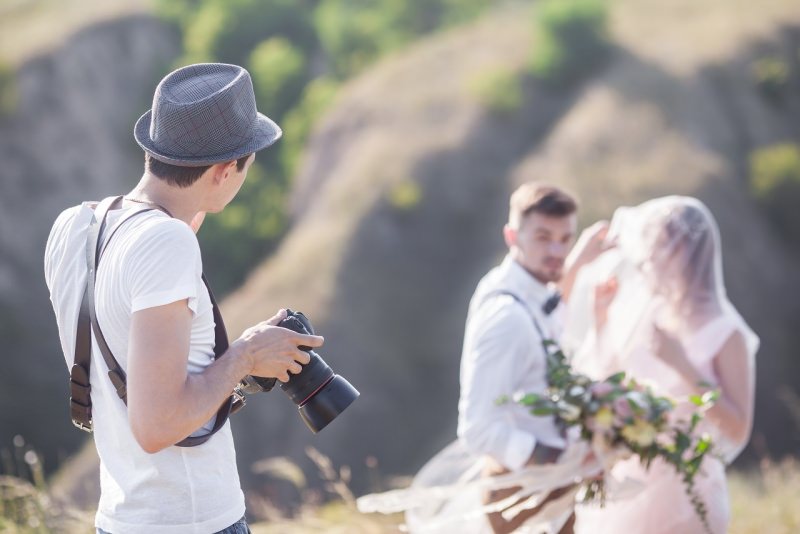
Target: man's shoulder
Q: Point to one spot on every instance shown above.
(499, 308)
(71, 215)
(155, 230)
(68, 222)
(495, 294)
(154, 239)
(156, 224)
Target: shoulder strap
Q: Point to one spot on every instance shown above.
(80, 388)
(94, 251)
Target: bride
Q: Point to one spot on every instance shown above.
(655, 307)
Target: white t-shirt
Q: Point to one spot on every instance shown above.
(151, 261)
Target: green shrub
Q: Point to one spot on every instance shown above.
(499, 91)
(8, 90)
(571, 39)
(177, 11)
(298, 123)
(228, 30)
(775, 181)
(771, 76)
(246, 230)
(354, 33)
(460, 11)
(279, 73)
(405, 195)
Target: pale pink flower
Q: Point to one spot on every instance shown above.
(601, 389)
(622, 408)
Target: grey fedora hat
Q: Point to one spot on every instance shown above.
(204, 114)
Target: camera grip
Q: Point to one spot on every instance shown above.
(294, 321)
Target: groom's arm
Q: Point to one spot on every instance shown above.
(496, 351)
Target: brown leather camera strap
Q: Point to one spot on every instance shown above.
(80, 400)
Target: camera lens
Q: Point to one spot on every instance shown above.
(319, 393)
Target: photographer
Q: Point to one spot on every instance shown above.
(158, 317)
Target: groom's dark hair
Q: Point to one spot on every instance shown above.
(538, 197)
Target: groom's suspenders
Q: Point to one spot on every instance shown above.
(543, 339)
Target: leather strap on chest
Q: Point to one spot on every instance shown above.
(80, 388)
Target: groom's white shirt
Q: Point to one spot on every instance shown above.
(503, 355)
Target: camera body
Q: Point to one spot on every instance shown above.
(319, 393)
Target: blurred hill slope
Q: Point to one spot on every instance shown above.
(31, 27)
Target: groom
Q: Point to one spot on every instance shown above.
(514, 308)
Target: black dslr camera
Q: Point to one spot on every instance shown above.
(319, 393)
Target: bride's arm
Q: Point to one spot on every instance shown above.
(733, 411)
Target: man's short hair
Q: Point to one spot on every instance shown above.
(181, 176)
(538, 197)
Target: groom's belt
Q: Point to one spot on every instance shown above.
(544, 454)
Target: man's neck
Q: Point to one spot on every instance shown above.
(528, 271)
(181, 203)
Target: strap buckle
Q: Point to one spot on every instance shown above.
(83, 427)
(239, 400)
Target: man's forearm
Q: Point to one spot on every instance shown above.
(175, 413)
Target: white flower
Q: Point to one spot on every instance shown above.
(569, 412)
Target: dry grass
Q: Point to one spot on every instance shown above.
(333, 518)
(762, 500)
(32, 27)
(766, 500)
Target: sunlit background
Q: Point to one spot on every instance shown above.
(407, 124)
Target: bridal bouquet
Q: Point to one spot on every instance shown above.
(620, 418)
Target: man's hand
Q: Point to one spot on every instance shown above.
(165, 402)
(273, 351)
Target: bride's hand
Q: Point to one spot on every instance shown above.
(591, 243)
(603, 297)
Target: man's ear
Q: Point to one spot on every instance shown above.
(510, 236)
(222, 171)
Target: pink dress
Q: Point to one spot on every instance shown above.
(662, 506)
